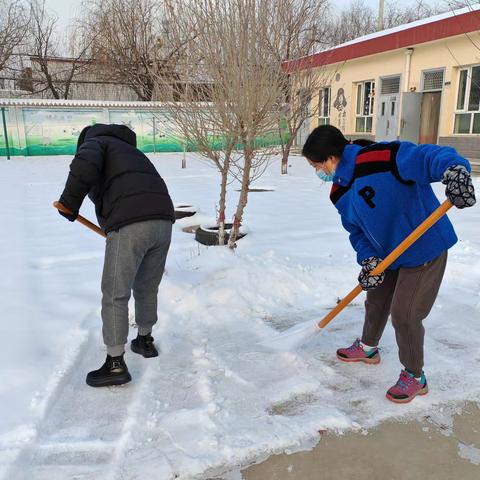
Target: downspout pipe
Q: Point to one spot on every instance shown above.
(408, 63)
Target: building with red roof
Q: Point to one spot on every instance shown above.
(418, 82)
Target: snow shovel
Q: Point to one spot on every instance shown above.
(80, 219)
(295, 336)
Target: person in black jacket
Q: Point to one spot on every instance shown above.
(135, 210)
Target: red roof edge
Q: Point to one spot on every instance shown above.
(428, 32)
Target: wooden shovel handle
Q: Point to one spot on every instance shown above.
(412, 238)
(80, 219)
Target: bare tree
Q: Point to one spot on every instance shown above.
(237, 36)
(456, 4)
(131, 39)
(353, 21)
(230, 45)
(359, 18)
(302, 31)
(57, 60)
(394, 15)
(207, 127)
(13, 28)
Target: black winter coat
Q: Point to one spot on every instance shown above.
(119, 179)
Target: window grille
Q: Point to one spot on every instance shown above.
(390, 86)
(432, 80)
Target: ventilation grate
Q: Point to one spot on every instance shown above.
(432, 80)
(390, 85)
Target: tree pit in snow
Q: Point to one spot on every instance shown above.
(208, 234)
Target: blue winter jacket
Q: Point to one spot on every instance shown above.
(383, 193)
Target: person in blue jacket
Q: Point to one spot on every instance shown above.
(382, 192)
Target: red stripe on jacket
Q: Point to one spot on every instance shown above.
(374, 156)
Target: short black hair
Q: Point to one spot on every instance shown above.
(325, 141)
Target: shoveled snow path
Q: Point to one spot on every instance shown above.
(214, 399)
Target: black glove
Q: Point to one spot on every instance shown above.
(365, 279)
(69, 216)
(459, 189)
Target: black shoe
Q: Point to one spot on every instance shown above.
(113, 372)
(143, 345)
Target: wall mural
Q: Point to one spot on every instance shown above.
(340, 104)
(55, 131)
(14, 147)
(155, 131)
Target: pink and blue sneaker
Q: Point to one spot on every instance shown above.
(407, 388)
(357, 353)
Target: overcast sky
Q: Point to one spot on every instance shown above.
(66, 9)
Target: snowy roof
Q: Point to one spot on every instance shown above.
(449, 24)
(407, 26)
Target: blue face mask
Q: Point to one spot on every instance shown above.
(323, 176)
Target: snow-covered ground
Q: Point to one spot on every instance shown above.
(215, 399)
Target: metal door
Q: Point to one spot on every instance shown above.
(387, 118)
(410, 120)
(388, 109)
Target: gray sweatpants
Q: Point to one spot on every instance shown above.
(135, 258)
(408, 294)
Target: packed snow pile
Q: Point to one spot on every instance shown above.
(215, 399)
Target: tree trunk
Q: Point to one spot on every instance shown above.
(49, 79)
(222, 206)
(242, 202)
(287, 147)
(184, 158)
(282, 144)
(285, 154)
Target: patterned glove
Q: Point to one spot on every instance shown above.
(365, 279)
(459, 189)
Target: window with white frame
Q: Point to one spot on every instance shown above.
(364, 110)
(467, 112)
(324, 106)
